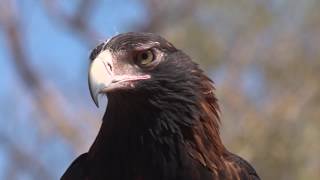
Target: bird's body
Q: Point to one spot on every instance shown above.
(162, 119)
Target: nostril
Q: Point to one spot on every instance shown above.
(110, 67)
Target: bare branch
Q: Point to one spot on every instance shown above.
(157, 9)
(45, 100)
(78, 22)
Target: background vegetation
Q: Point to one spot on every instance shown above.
(264, 56)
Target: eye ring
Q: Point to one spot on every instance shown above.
(145, 58)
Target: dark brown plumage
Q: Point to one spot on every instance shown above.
(162, 119)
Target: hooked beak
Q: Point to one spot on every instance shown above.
(103, 78)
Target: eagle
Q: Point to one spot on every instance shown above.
(162, 117)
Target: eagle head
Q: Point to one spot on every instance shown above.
(141, 63)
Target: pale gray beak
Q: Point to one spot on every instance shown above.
(100, 74)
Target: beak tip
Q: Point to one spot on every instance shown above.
(94, 96)
(96, 102)
(95, 99)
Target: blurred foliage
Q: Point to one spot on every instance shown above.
(265, 59)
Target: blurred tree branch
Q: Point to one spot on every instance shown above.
(159, 10)
(77, 22)
(45, 99)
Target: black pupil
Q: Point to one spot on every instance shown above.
(144, 55)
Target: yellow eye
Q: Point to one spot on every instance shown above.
(144, 58)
